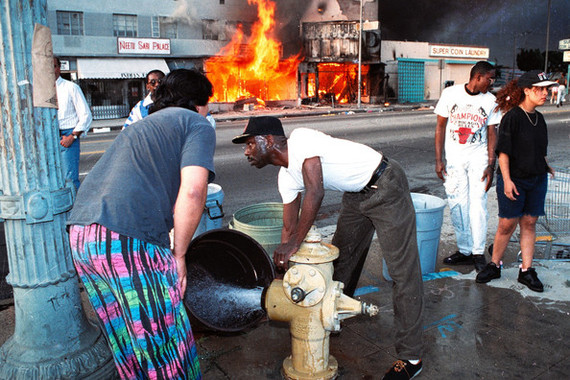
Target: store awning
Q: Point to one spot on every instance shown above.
(118, 68)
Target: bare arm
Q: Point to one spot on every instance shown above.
(314, 193)
(187, 213)
(491, 144)
(510, 188)
(439, 141)
(290, 218)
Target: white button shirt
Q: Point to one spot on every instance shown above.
(73, 111)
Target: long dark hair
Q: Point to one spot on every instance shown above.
(183, 88)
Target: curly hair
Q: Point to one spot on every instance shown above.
(183, 88)
(510, 96)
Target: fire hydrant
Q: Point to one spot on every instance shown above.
(314, 305)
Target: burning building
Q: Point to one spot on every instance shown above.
(325, 67)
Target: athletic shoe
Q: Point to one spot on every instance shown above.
(403, 370)
(479, 262)
(530, 279)
(490, 272)
(458, 258)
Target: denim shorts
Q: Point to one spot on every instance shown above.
(530, 201)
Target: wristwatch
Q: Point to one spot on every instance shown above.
(75, 137)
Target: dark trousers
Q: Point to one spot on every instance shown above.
(388, 210)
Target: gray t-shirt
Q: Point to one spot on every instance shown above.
(133, 187)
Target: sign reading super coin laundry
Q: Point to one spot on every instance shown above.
(458, 51)
(143, 45)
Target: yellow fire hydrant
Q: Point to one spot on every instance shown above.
(314, 305)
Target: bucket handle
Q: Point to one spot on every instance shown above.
(220, 215)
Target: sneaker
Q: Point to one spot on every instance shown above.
(479, 262)
(530, 279)
(458, 258)
(403, 370)
(489, 272)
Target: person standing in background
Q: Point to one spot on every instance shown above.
(140, 110)
(522, 175)
(74, 119)
(466, 121)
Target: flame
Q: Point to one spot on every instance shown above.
(251, 67)
(338, 80)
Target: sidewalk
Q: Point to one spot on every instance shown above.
(472, 331)
(284, 112)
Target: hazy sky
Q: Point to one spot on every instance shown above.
(492, 23)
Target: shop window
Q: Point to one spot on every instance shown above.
(125, 25)
(69, 23)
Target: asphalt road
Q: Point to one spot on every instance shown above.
(406, 137)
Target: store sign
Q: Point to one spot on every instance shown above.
(143, 45)
(566, 56)
(564, 44)
(458, 51)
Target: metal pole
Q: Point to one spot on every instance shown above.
(547, 38)
(52, 337)
(360, 56)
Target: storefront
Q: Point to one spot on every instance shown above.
(112, 86)
(419, 71)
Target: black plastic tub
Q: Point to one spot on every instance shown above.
(228, 272)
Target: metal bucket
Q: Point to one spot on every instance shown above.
(261, 221)
(227, 274)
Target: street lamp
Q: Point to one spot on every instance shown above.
(547, 38)
(360, 54)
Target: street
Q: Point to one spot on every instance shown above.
(405, 136)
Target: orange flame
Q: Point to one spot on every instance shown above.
(251, 67)
(338, 80)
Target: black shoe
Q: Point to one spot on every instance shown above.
(489, 272)
(479, 262)
(403, 370)
(458, 258)
(530, 279)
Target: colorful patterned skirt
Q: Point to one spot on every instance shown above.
(132, 287)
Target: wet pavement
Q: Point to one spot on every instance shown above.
(471, 331)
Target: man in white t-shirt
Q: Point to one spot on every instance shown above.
(466, 122)
(376, 198)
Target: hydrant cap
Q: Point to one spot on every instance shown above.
(314, 251)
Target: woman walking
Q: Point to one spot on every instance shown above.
(522, 174)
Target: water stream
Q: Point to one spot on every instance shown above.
(222, 305)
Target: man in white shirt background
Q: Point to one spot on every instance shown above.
(74, 119)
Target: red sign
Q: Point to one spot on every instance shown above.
(143, 45)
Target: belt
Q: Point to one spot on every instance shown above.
(371, 185)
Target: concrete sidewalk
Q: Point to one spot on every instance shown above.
(472, 331)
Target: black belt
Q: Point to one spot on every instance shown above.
(371, 185)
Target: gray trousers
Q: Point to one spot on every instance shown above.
(388, 210)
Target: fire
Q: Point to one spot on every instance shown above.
(338, 82)
(251, 67)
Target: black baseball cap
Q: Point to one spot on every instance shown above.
(534, 78)
(260, 126)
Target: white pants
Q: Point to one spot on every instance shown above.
(467, 201)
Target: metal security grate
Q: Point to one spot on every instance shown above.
(410, 81)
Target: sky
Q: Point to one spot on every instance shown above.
(501, 25)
